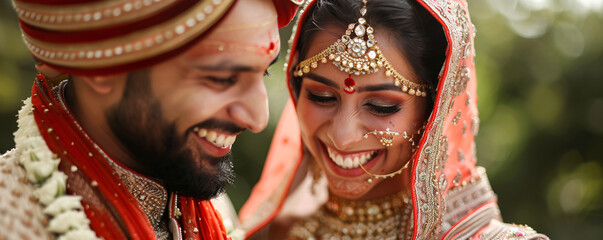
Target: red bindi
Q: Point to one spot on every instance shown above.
(349, 85)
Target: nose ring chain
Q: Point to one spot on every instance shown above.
(384, 176)
(387, 137)
(387, 140)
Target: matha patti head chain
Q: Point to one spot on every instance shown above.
(357, 53)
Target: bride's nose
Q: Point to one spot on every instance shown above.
(345, 128)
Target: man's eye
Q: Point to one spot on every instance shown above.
(383, 110)
(322, 100)
(222, 81)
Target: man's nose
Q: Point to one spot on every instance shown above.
(250, 109)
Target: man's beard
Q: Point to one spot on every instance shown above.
(138, 123)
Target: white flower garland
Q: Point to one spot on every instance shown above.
(67, 218)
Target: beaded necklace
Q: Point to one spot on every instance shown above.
(389, 217)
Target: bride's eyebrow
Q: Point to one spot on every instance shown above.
(321, 79)
(369, 88)
(379, 87)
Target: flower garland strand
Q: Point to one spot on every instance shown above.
(67, 218)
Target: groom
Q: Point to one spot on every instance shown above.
(128, 131)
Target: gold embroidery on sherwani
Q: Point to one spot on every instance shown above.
(150, 195)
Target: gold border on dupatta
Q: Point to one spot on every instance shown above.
(430, 181)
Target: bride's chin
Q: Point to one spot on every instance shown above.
(350, 189)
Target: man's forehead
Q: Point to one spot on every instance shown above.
(249, 24)
(234, 55)
(248, 12)
(251, 33)
(258, 24)
(244, 35)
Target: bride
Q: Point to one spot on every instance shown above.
(382, 143)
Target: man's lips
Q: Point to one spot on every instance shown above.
(218, 139)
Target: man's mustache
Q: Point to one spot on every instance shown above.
(225, 126)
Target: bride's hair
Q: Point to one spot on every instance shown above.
(418, 35)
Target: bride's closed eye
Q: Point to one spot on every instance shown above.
(321, 99)
(379, 109)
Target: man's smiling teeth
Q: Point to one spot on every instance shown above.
(217, 139)
(351, 160)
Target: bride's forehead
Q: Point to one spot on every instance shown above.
(339, 77)
(331, 73)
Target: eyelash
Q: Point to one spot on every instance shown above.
(319, 99)
(383, 110)
(223, 81)
(375, 109)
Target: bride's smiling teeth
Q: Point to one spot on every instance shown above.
(349, 161)
(217, 139)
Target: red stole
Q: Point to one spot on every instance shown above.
(112, 210)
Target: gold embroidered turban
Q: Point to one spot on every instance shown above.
(108, 36)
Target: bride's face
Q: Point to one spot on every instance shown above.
(333, 122)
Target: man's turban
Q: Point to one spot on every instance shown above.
(108, 36)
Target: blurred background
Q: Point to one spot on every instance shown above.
(540, 95)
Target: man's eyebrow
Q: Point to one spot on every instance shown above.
(321, 79)
(227, 66)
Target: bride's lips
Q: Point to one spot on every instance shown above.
(347, 164)
(215, 143)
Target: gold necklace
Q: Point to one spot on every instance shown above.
(389, 217)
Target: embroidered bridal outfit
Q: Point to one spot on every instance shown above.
(449, 196)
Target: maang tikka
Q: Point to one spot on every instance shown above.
(359, 54)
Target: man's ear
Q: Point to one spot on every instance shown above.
(101, 84)
(47, 71)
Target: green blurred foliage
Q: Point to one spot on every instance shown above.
(16, 74)
(539, 67)
(541, 108)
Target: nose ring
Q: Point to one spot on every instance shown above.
(387, 136)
